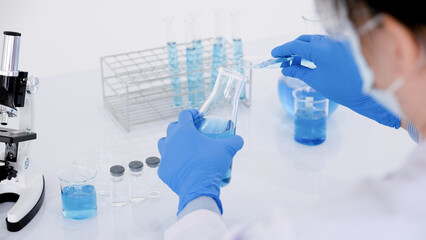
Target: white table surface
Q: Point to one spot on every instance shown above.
(272, 169)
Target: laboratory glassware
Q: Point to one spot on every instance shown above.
(286, 85)
(78, 192)
(198, 45)
(136, 85)
(102, 160)
(310, 110)
(218, 115)
(250, 62)
(237, 46)
(312, 22)
(137, 184)
(154, 182)
(191, 64)
(119, 186)
(173, 61)
(219, 48)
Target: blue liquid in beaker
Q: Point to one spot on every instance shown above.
(191, 68)
(310, 126)
(174, 72)
(79, 201)
(217, 128)
(218, 59)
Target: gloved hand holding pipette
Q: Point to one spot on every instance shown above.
(336, 75)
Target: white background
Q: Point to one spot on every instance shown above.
(62, 36)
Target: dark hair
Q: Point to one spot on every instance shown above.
(408, 12)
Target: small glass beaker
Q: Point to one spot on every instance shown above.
(286, 86)
(313, 23)
(78, 192)
(310, 111)
(102, 160)
(218, 115)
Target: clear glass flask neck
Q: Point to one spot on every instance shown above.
(218, 115)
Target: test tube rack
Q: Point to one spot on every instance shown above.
(137, 88)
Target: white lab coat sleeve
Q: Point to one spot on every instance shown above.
(201, 225)
(386, 208)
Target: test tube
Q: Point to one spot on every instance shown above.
(219, 47)
(173, 59)
(198, 45)
(191, 64)
(237, 46)
(249, 62)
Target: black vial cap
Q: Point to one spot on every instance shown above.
(152, 162)
(136, 166)
(117, 170)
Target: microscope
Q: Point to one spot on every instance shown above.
(20, 181)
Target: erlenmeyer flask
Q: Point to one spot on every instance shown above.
(218, 115)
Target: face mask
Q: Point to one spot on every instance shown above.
(385, 97)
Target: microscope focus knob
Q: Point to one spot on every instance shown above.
(32, 85)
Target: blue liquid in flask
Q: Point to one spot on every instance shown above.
(310, 126)
(79, 201)
(237, 46)
(218, 128)
(174, 72)
(199, 56)
(219, 58)
(191, 68)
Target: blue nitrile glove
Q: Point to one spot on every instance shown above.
(336, 75)
(193, 164)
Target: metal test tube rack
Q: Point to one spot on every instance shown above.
(137, 89)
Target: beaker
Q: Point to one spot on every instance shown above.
(101, 159)
(78, 192)
(218, 115)
(310, 111)
(286, 85)
(313, 23)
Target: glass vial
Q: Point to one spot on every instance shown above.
(119, 188)
(154, 183)
(137, 191)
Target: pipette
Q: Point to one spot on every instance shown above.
(249, 62)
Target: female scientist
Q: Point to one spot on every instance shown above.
(376, 49)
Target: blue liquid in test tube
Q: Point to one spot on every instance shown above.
(310, 126)
(200, 83)
(219, 58)
(217, 128)
(237, 46)
(174, 72)
(191, 68)
(79, 201)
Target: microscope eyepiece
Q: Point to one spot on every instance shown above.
(9, 33)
